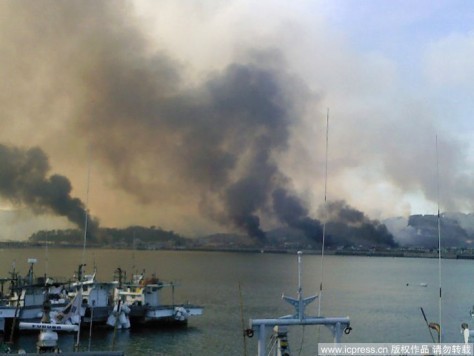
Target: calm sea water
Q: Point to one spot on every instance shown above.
(372, 291)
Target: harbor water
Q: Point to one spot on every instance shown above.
(381, 295)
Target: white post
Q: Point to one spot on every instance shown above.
(299, 272)
(337, 333)
(261, 340)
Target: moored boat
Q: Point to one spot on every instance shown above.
(97, 297)
(142, 299)
(48, 337)
(26, 298)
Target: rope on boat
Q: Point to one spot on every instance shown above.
(273, 342)
(302, 340)
(245, 332)
(427, 324)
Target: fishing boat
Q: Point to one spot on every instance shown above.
(27, 296)
(7, 314)
(139, 301)
(48, 336)
(97, 297)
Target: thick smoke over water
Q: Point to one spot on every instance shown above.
(213, 143)
(24, 180)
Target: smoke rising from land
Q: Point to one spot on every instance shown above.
(24, 180)
(291, 211)
(351, 227)
(227, 136)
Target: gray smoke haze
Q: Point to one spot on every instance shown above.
(215, 142)
(153, 132)
(220, 137)
(24, 180)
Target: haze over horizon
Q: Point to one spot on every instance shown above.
(206, 117)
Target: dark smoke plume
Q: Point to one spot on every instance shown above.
(345, 225)
(214, 144)
(160, 139)
(24, 180)
(349, 226)
(220, 137)
(293, 213)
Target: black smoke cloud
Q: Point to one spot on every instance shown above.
(24, 180)
(349, 226)
(221, 137)
(345, 225)
(160, 137)
(291, 211)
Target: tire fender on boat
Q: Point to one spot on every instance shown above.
(180, 314)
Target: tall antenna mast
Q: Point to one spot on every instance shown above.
(325, 213)
(439, 236)
(86, 212)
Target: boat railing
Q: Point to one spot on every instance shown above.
(337, 325)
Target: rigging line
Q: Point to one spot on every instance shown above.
(439, 235)
(273, 342)
(242, 319)
(302, 340)
(427, 324)
(325, 213)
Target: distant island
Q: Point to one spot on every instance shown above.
(416, 236)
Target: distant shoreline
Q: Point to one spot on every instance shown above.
(466, 254)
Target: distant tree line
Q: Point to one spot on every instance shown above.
(132, 236)
(72, 236)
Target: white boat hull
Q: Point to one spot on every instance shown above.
(165, 314)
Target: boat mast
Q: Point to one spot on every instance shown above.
(325, 214)
(337, 325)
(86, 213)
(86, 221)
(46, 260)
(439, 238)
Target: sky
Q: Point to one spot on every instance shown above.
(204, 117)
